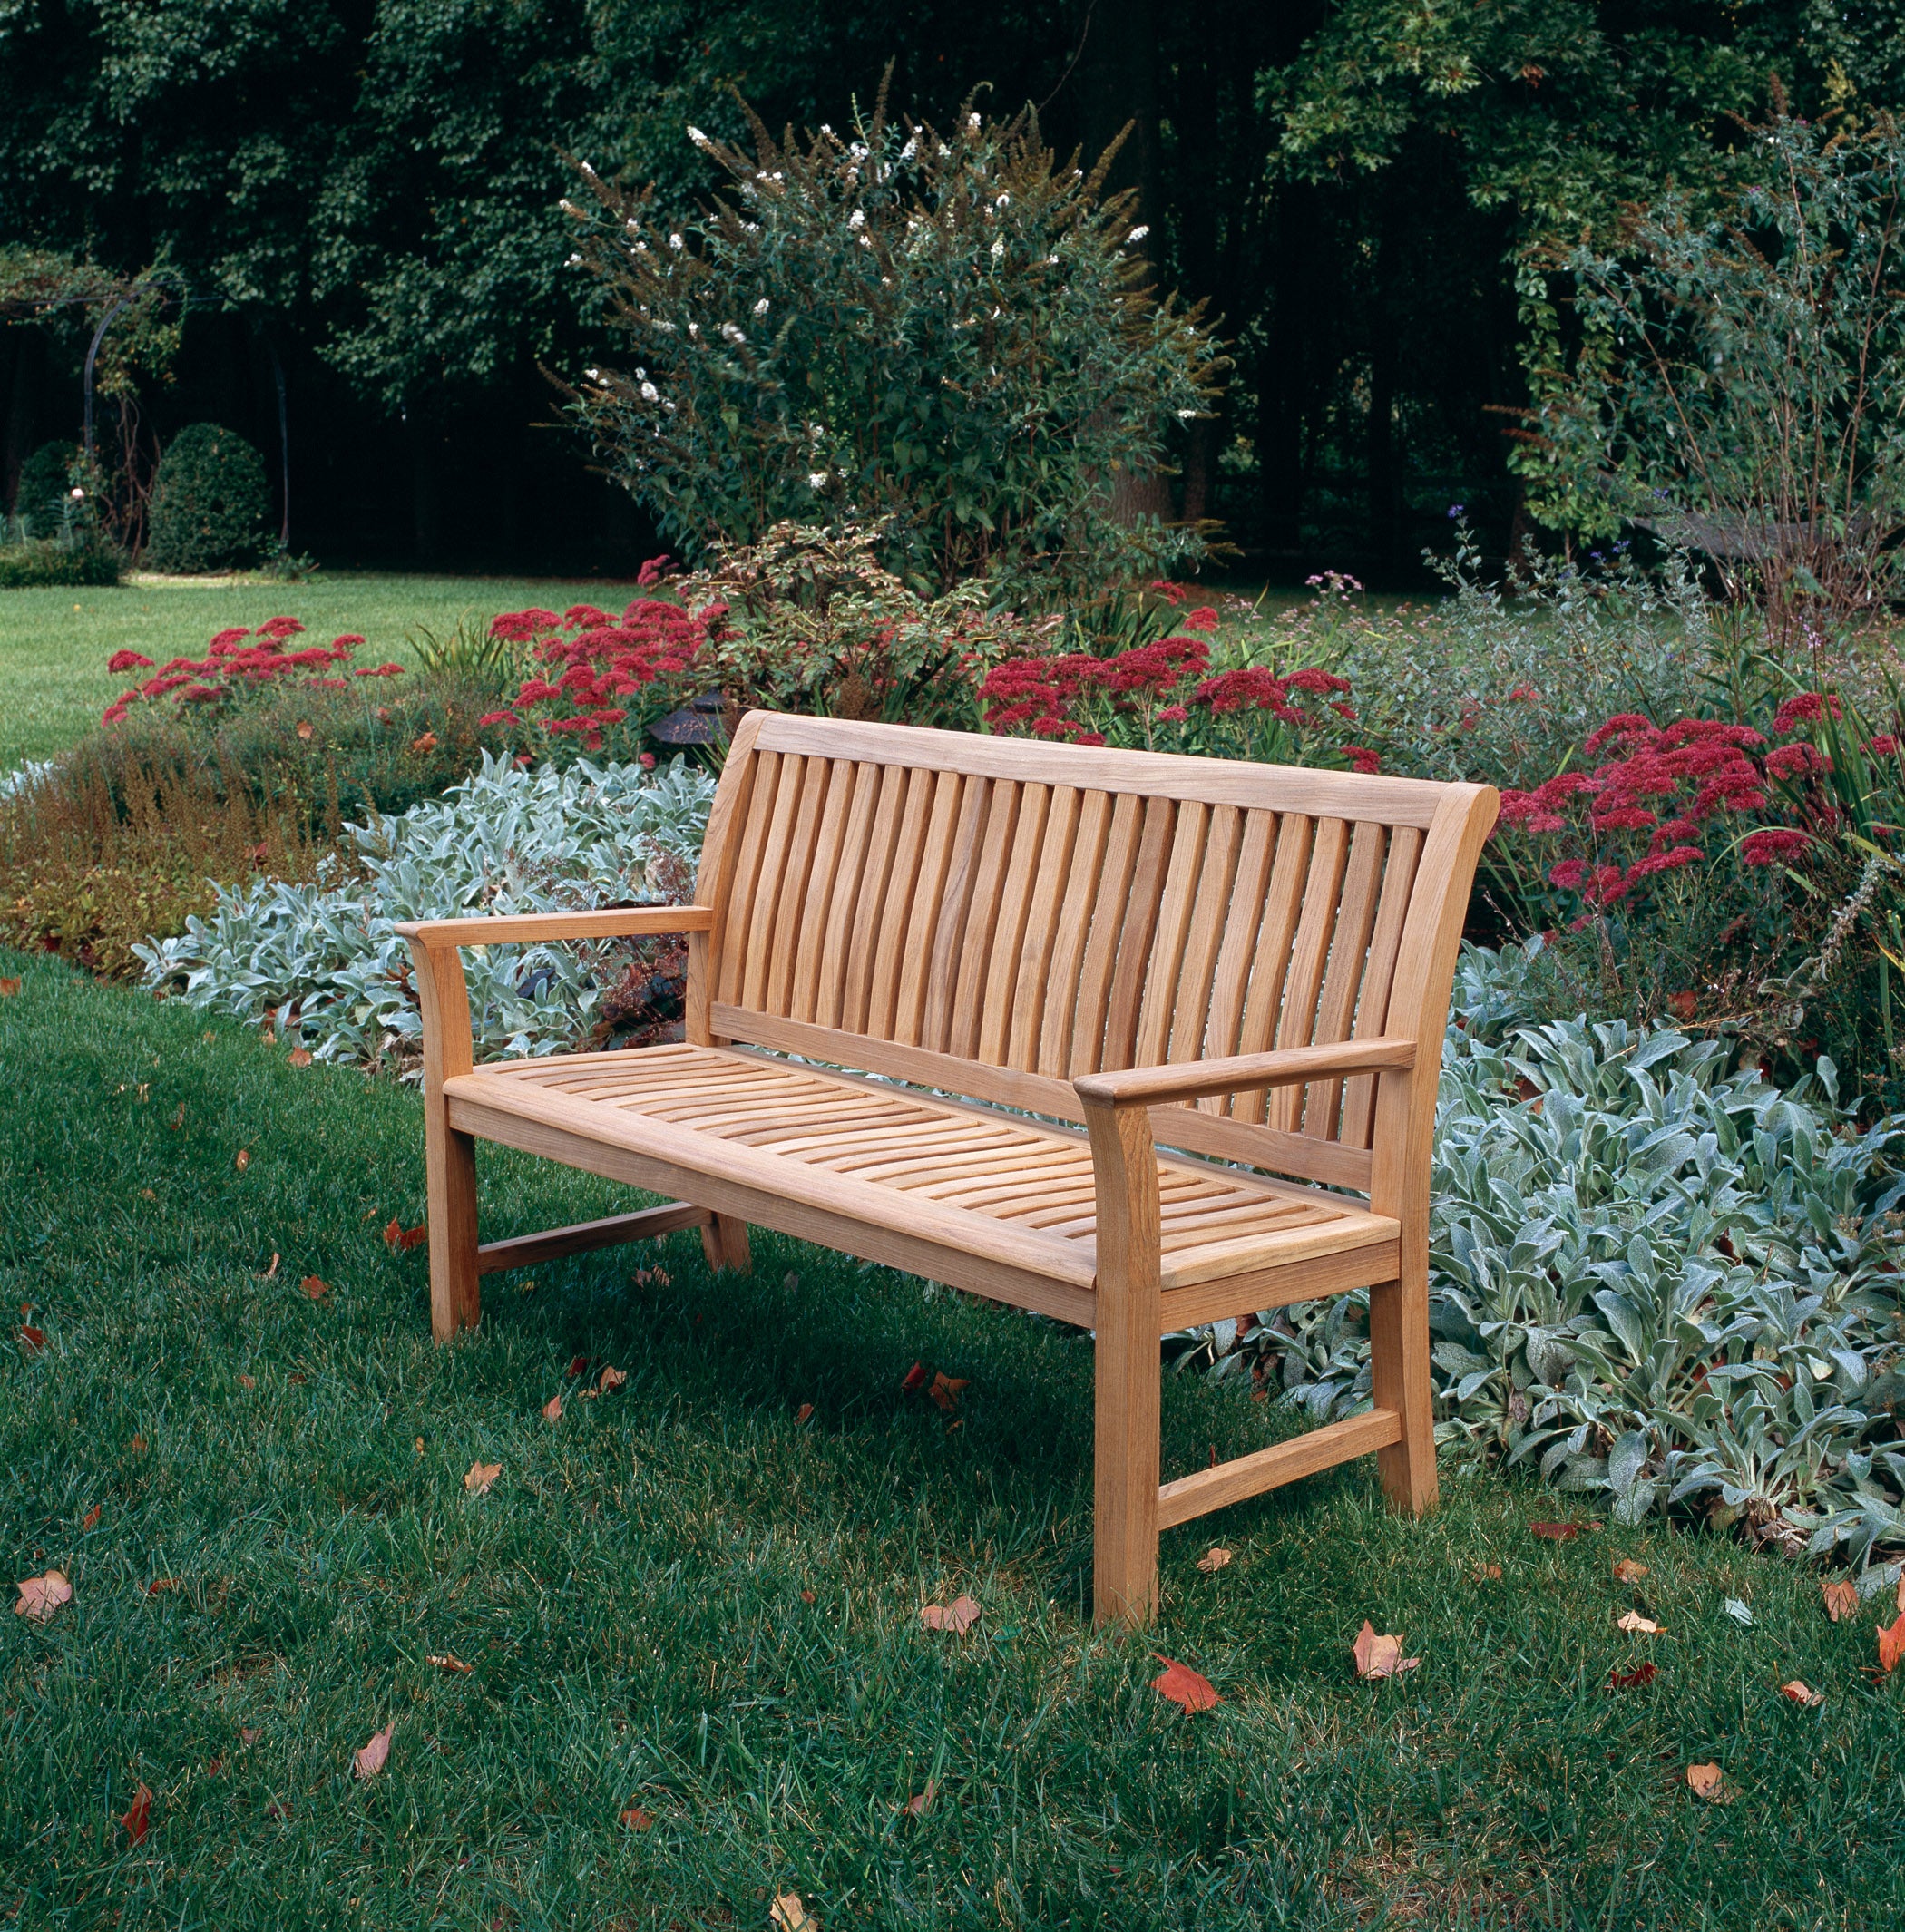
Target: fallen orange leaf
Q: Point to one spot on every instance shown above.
(804, 1411)
(914, 1378)
(1486, 1573)
(1213, 1559)
(424, 741)
(1841, 1599)
(1641, 1675)
(248, 1382)
(304, 728)
(369, 1761)
(958, 1617)
(241, 1159)
(1628, 1571)
(553, 1410)
(921, 1802)
(137, 1445)
(1891, 1643)
(611, 1379)
(40, 1597)
(789, 1915)
(452, 1663)
(1801, 1694)
(9, 988)
(1555, 1532)
(298, 1057)
(315, 1286)
(1378, 1655)
(637, 1820)
(90, 1519)
(158, 1584)
(398, 1238)
(946, 1390)
(1184, 1687)
(1633, 1621)
(248, 1738)
(1703, 1780)
(579, 1366)
(479, 1476)
(138, 1813)
(32, 1340)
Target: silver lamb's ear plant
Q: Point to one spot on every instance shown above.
(1655, 1281)
(503, 840)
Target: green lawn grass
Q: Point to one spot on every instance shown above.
(682, 1598)
(54, 643)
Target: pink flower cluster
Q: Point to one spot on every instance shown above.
(1166, 679)
(593, 661)
(1672, 783)
(237, 660)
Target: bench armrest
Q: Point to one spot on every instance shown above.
(628, 921)
(1284, 1067)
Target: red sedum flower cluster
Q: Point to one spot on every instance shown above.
(593, 661)
(1648, 809)
(236, 661)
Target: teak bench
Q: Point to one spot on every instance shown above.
(1247, 963)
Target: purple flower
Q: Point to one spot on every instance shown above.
(1455, 510)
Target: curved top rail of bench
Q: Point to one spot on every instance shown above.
(1371, 800)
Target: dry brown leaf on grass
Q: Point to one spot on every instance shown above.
(804, 1411)
(298, 1057)
(1637, 1678)
(1801, 1694)
(1635, 1624)
(400, 1239)
(450, 1663)
(946, 1390)
(91, 1519)
(249, 1737)
(1213, 1559)
(1891, 1644)
(1628, 1571)
(315, 1286)
(139, 1814)
(370, 1760)
(40, 1597)
(1183, 1686)
(553, 1410)
(1555, 1532)
(1378, 1655)
(9, 987)
(1486, 1573)
(241, 1159)
(1841, 1599)
(1705, 1780)
(479, 1476)
(790, 1916)
(159, 1585)
(609, 1380)
(921, 1802)
(958, 1617)
(637, 1820)
(32, 1341)
(914, 1378)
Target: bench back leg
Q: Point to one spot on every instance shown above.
(724, 1241)
(450, 1177)
(1399, 1378)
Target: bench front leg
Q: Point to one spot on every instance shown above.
(449, 1157)
(1126, 1395)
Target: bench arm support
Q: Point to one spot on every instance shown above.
(1285, 1066)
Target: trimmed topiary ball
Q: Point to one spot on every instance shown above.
(209, 504)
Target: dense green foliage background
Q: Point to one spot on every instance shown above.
(361, 195)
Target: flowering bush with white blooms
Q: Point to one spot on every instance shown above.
(952, 333)
(324, 963)
(1664, 1285)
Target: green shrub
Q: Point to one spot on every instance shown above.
(41, 561)
(209, 504)
(947, 333)
(44, 479)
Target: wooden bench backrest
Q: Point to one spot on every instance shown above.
(994, 916)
